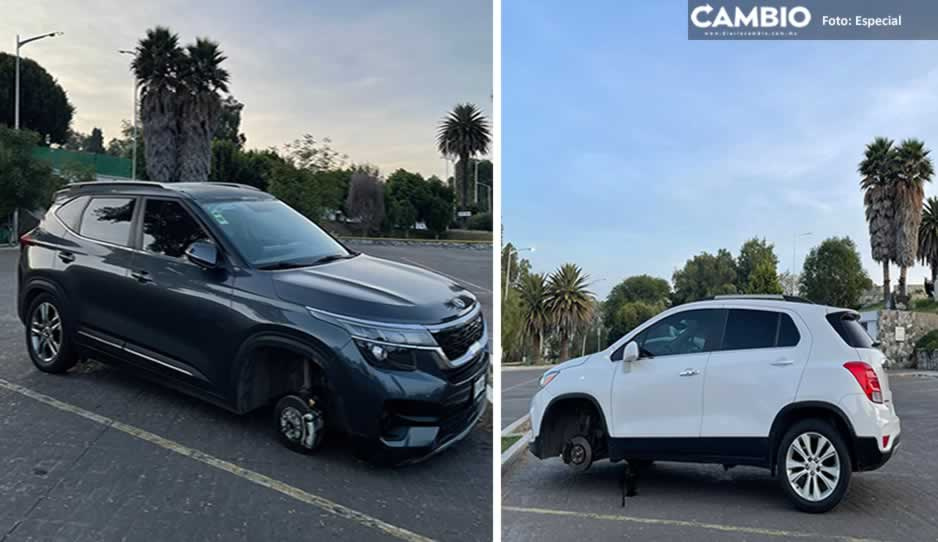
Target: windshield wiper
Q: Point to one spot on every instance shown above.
(332, 258)
(282, 265)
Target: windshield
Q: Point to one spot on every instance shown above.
(271, 235)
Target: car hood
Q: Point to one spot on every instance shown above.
(375, 289)
(575, 362)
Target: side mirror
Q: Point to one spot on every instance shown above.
(203, 254)
(631, 352)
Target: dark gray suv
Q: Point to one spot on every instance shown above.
(226, 293)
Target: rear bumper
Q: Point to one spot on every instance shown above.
(869, 452)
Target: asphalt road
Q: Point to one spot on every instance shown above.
(542, 500)
(163, 466)
(518, 387)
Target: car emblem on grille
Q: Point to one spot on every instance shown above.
(459, 303)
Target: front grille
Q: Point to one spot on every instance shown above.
(456, 341)
(468, 371)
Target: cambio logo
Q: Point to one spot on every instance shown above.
(757, 17)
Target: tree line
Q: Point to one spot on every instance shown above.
(190, 130)
(556, 315)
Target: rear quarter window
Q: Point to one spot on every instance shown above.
(70, 212)
(847, 325)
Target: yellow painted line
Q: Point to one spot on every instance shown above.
(682, 523)
(212, 461)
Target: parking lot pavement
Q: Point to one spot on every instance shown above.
(518, 387)
(543, 501)
(185, 470)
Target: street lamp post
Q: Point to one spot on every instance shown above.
(794, 244)
(16, 112)
(511, 252)
(133, 166)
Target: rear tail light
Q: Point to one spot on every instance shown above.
(867, 379)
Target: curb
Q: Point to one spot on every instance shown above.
(443, 243)
(914, 374)
(517, 449)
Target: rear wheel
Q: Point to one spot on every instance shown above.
(48, 337)
(300, 423)
(814, 466)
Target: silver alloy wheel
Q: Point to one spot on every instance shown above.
(812, 465)
(291, 424)
(45, 332)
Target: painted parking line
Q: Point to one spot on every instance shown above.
(525, 383)
(463, 281)
(303, 496)
(682, 523)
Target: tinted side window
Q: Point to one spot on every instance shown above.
(169, 229)
(850, 330)
(747, 328)
(787, 332)
(108, 219)
(686, 332)
(70, 213)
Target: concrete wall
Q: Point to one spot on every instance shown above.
(901, 354)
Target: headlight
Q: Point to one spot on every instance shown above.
(387, 346)
(547, 377)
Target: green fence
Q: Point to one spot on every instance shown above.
(103, 164)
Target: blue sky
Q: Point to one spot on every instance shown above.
(628, 149)
(375, 76)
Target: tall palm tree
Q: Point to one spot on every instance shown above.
(156, 67)
(915, 168)
(202, 79)
(532, 291)
(569, 303)
(465, 132)
(877, 179)
(928, 237)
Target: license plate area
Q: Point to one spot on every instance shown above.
(478, 387)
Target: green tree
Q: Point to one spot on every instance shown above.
(643, 294)
(228, 123)
(406, 194)
(535, 312)
(440, 207)
(313, 154)
(756, 253)
(833, 274)
(25, 182)
(464, 133)
(156, 66)
(915, 168)
(366, 201)
(95, 142)
(232, 164)
(44, 106)
(928, 237)
(705, 275)
(199, 105)
(569, 301)
(512, 340)
(878, 171)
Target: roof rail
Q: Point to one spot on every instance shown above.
(114, 183)
(764, 297)
(234, 185)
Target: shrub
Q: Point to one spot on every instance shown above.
(481, 221)
(928, 342)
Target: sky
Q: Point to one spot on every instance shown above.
(629, 149)
(374, 76)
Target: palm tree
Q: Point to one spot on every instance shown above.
(465, 132)
(156, 67)
(202, 78)
(914, 170)
(569, 303)
(878, 174)
(532, 291)
(928, 237)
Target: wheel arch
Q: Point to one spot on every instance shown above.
(250, 384)
(36, 286)
(802, 410)
(566, 405)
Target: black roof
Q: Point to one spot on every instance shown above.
(196, 191)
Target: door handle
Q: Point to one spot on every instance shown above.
(141, 276)
(689, 372)
(782, 362)
(66, 257)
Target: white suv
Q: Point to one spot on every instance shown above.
(767, 381)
